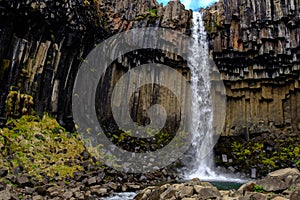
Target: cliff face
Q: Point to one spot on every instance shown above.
(43, 43)
(256, 46)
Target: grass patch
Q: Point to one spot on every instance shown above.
(41, 146)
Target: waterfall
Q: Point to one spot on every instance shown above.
(202, 117)
(201, 124)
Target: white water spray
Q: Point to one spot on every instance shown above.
(202, 107)
(201, 124)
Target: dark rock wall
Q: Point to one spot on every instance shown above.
(256, 46)
(42, 43)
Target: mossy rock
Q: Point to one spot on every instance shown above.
(41, 146)
(256, 154)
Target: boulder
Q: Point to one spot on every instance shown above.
(190, 190)
(247, 187)
(37, 197)
(207, 192)
(295, 195)
(67, 195)
(254, 195)
(279, 198)
(273, 184)
(23, 181)
(5, 195)
(279, 180)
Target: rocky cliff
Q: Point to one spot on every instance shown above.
(256, 46)
(43, 43)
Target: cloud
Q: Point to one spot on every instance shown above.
(187, 3)
(192, 4)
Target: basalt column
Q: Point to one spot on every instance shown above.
(256, 46)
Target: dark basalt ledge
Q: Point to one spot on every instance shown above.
(43, 43)
(256, 47)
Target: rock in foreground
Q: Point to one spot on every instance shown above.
(280, 185)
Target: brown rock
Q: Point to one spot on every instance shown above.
(295, 194)
(279, 180)
(67, 195)
(5, 195)
(273, 184)
(23, 180)
(207, 192)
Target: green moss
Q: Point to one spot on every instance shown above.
(257, 154)
(153, 12)
(140, 17)
(56, 155)
(269, 162)
(18, 104)
(258, 188)
(150, 14)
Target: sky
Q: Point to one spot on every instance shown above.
(192, 4)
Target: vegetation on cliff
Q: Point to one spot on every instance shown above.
(40, 147)
(265, 153)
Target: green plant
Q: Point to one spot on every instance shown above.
(258, 188)
(53, 155)
(153, 12)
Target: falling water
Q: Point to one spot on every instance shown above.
(202, 107)
(201, 124)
